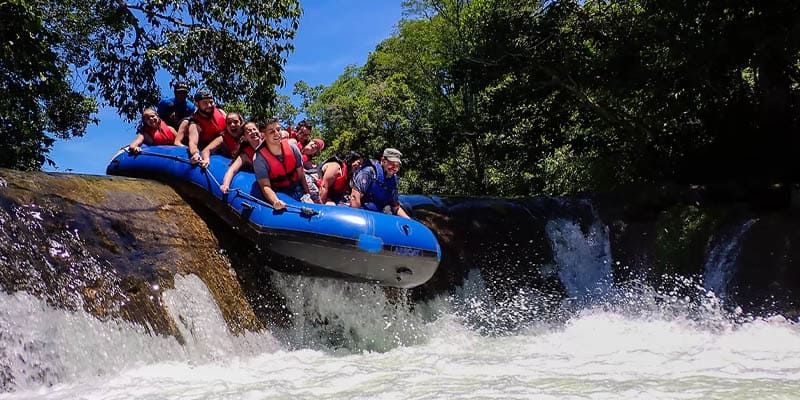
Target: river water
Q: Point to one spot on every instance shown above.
(350, 341)
(638, 345)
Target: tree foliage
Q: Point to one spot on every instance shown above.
(61, 55)
(519, 97)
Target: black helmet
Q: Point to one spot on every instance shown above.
(203, 94)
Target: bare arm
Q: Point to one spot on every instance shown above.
(183, 128)
(206, 153)
(232, 170)
(302, 174)
(137, 141)
(194, 138)
(400, 212)
(355, 198)
(270, 195)
(328, 177)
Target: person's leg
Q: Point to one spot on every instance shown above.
(313, 189)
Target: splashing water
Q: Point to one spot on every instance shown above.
(597, 353)
(584, 260)
(721, 260)
(358, 341)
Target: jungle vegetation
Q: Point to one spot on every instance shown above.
(497, 97)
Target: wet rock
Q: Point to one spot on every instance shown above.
(110, 246)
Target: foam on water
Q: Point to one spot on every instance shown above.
(596, 354)
(41, 345)
(357, 341)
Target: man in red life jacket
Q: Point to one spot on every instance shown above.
(279, 167)
(206, 124)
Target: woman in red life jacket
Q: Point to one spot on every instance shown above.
(153, 132)
(334, 184)
(228, 143)
(279, 167)
(244, 158)
(308, 152)
(206, 124)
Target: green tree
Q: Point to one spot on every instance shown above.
(111, 51)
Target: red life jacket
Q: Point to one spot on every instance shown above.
(232, 144)
(210, 126)
(249, 151)
(161, 135)
(281, 174)
(340, 185)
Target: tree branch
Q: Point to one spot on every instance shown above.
(167, 18)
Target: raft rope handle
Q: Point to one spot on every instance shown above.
(307, 211)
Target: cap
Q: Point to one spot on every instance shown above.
(392, 155)
(320, 143)
(202, 95)
(181, 87)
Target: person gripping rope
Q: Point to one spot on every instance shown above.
(375, 185)
(152, 132)
(279, 167)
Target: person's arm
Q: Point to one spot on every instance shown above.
(355, 198)
(182, 132)
(194, 138)
(206, 153)
(270, 195)
(361, 183)
(328, 177)
(232, 170)
(300, 171)
(261, 169)
(397, 210)
(137, 141)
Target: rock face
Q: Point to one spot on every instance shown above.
(111, 245)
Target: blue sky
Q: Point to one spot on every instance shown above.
(332, 35)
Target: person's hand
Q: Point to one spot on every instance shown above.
(204, 162)
(279, 205)
(196, 158)
(223, 188)
(134, 149)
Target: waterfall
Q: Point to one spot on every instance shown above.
(43, 345)
(349, 316)
(583, 259)
(721, 260)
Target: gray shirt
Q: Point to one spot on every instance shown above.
(261, 166)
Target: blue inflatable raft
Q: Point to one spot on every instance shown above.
(334, 241)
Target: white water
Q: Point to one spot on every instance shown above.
(349, 342)
(721, 260)
(598, 353)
